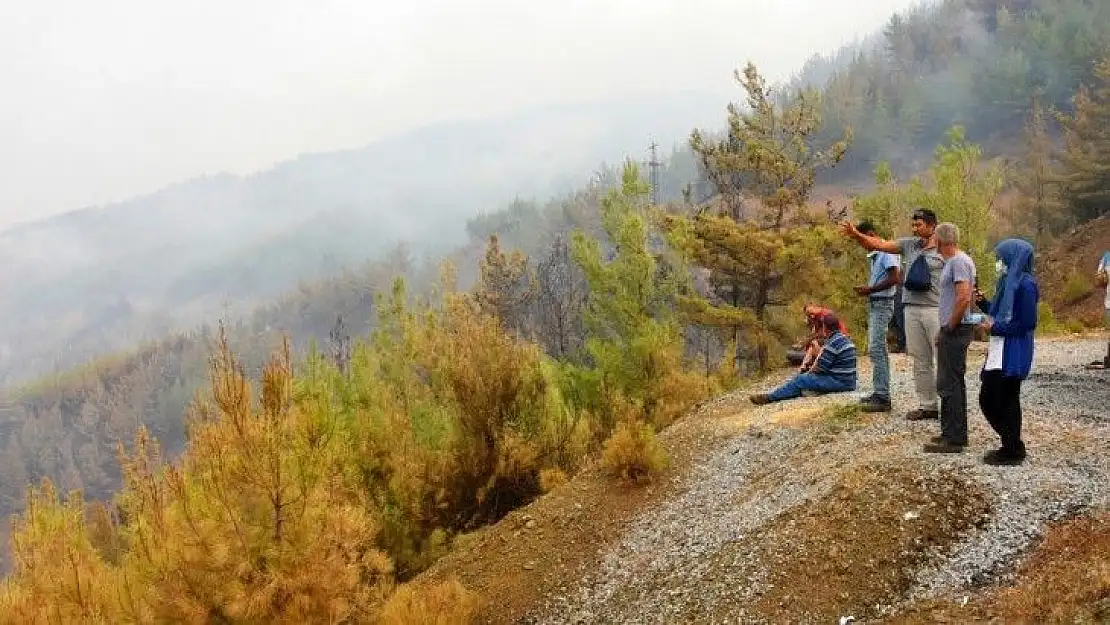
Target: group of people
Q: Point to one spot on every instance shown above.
(939, 296)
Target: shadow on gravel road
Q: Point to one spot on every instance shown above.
(1076, 392)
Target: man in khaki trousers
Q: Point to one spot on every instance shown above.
(920, 299)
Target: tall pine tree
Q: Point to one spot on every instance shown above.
(635, 340)
(757, 257)
(1086, 156)
(506, 286)
(1038, 212)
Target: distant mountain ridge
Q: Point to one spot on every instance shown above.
(102, 278)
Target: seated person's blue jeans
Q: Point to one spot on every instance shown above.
(811, 382)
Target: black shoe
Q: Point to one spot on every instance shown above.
(945, 447)
(1003, 458)
(868, 399)
(922, 415)
(876, 404)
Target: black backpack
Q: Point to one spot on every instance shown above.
(918, 277)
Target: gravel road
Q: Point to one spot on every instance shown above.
(678, 561)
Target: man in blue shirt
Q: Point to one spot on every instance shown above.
(881, 287)
(834, 371)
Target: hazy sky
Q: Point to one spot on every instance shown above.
(104, 99)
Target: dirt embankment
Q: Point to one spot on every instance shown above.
(1067, 273)
(808, 511)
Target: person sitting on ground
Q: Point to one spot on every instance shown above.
(812, 349)
(1011, 321)
(982, 302)
(834, 371)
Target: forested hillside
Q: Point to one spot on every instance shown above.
(977, 63)
(137, 270)
(102, 279)
(560, 331)
(989, 66)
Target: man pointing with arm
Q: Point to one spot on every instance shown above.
(921, 298)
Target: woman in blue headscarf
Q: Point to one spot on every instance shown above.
(1012, 320)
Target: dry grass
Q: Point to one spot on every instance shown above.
(633, 453)
(796, 417)
(447, 603)
(1066, 579)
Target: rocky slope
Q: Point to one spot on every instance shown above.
(803, 511)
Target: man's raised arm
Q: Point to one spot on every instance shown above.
(869, 243)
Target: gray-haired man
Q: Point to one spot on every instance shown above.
(956, 331)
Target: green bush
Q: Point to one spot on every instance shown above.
(1077, 287)
(1046, 320)
(1074, 326)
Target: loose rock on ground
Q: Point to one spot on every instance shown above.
(696, 556)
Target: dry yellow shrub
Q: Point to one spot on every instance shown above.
(447, 603)
(633, 453)
(551, 478)
(58, 575)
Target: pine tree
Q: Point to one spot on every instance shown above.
(962, 190)
(1086, 157)
(757, 258)
(1039, 211)
(506, 287)
(635, 340)
(767, 152)
(259, 521)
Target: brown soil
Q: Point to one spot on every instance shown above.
(1065, 579)
(858, 546)
(538, 549)
(1077, 252)
(535, 549)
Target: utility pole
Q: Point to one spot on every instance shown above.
(653, 165)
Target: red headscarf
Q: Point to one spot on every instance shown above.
(817, 316)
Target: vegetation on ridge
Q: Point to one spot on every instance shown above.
(315, 496)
